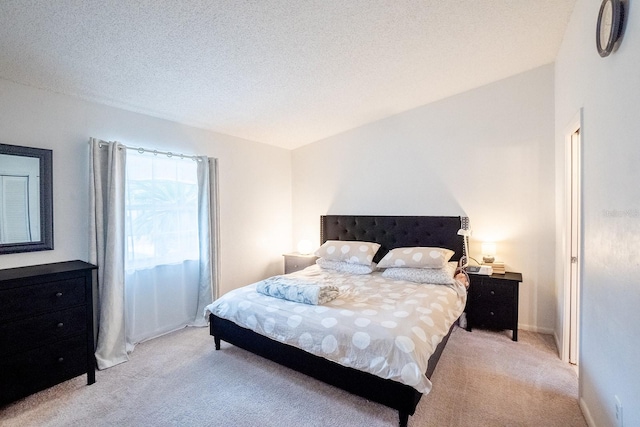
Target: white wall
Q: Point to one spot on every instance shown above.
(487, 154)
(255, 179)
(608, 90)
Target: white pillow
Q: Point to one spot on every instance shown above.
(345, 267)
(434, 276)
(348, 251)
(418, 257)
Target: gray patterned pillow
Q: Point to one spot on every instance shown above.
(348, 251)
(435, 276)
(418, 257)
(345, 267)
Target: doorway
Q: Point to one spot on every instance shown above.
(574, 255)
(572, 250)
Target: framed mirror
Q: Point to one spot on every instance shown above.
(26, 199)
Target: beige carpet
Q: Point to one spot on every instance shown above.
(483, 379)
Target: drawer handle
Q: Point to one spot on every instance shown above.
(58, 294)
(60, 359)
(491, 313)
(493, 293)
(60, 325)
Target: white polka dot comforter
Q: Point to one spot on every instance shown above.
(386, 327)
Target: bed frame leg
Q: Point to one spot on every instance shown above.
(217, 341)
(404, 418)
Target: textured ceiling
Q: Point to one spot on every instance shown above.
(282, 72)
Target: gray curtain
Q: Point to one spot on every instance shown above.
(208, 230)
(107, 246)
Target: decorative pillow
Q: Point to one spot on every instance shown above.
(348, 251)
(345, 267)
(435, 276)
(419, 257)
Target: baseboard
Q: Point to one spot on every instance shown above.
(557, 340)
(547, 331)
(538, 329)
(585, 413)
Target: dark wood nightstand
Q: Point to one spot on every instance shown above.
(493, 302)
(295, 261)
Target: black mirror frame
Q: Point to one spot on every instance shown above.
(46, 199)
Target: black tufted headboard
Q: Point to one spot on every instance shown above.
(396, 231)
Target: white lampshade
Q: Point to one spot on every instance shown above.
(488, 251)
(489, 248)
(305, 247)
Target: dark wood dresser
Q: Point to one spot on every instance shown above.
(493, 302)
(46, 327)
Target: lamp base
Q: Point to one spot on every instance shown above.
(488, 259)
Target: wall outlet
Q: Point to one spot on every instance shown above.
(618, 412)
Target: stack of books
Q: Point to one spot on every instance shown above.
(498, 267)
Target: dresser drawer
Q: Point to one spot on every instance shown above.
(33, 299)
(32, 332)
(39, 368)
(493, 291)
(493, 316)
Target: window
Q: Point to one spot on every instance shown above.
(161, 203)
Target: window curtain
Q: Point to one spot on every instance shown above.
(208, 225)
(159, 300)
(136, 304)
(168, 283)
(107, 175)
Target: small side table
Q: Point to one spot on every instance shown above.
(295, 261)
(493, 302)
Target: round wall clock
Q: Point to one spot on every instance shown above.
(609, 26)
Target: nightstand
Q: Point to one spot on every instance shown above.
(493, 302)
(295, 261)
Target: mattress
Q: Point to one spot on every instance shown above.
(385, 327)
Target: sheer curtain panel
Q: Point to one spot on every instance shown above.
(162, 258)
(169, 254)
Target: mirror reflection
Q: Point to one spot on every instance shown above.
(26, 199)
(19, 199)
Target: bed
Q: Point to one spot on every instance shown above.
(389, 232)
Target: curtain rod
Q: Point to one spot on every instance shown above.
(169, 154)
